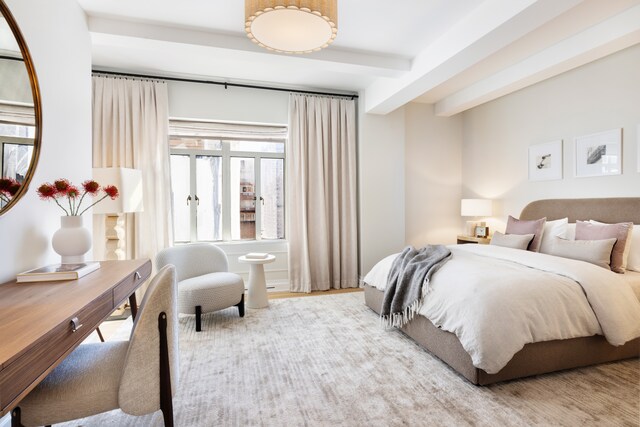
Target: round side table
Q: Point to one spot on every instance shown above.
(257, 295)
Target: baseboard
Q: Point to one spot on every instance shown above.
(281, 285)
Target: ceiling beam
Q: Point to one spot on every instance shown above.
(487, 29)
(231, 46)
(610, 36)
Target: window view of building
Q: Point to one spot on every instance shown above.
(16, 144)
(230, 187)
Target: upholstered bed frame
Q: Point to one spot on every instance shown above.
(541, 357)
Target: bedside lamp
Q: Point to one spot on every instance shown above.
(475, 208)
(129, 183)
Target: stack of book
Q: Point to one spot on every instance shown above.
(58, 272)
(256, 255)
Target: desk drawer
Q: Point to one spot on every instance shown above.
(22, 372)
(126, 287)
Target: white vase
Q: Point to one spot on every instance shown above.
(72, 240)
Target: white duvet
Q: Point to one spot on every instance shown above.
(496, 300)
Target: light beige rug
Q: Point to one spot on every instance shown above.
(325, 361)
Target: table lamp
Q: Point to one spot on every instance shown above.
(129, 183)
(475, 208)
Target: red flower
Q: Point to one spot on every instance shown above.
(61, 185)
(112, 191)
(6, 184)
(72, 191)
(91, 187)
(14, 188)
(47, 191)
(63, 189)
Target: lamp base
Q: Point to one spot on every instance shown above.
(470, 228)
(114, 233)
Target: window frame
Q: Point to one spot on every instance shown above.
(227, 154)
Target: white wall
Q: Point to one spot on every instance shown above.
(212, 102)
(598, 96)
(433, 176)
(381, 185)
(58, 39)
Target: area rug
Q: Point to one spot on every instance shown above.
(325, 361)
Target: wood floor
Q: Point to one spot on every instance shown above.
(279, 295)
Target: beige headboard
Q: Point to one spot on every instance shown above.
(610, 210)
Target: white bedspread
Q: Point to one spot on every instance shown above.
(498, 299)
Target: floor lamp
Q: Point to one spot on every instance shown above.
(129, 183)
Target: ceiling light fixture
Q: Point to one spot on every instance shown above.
(291, 26)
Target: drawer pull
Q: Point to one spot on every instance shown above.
(75, 324)
(138, 276)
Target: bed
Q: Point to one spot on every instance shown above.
(536, 357)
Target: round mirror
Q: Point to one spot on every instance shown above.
(20, 117)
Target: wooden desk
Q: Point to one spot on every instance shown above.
(35, 321)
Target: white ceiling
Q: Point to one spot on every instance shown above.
(453, 54)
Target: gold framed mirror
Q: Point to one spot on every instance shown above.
(20, 113)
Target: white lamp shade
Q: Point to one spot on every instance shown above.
(475, 207)
(129, 183)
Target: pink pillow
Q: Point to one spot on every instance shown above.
(620, 231)
(520, 226)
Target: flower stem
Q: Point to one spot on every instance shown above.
(58, 203)
(80, 202)
(70, 205)
(94, 203)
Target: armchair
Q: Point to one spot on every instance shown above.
(204, 282)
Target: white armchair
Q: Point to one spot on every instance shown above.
(204, 282)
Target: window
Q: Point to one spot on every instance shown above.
(16, 149)
(227, 181)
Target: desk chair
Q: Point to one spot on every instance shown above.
(138, 376)
(204, 282)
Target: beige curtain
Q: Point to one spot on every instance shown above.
(321, 188)
(130, 129)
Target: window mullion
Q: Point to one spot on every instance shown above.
(193, 211)
(226, 192)
(258, 192)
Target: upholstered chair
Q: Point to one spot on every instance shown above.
(138, 376)
(204, 282)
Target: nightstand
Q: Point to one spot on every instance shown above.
(470, 239)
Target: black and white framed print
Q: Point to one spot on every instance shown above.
(545, 161)
(599, 154)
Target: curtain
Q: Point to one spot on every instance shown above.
(130, 129)
(321, 188)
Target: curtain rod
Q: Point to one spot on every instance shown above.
(225, 84)
(12, 58)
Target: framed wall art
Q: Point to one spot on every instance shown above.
(599, 154)
(545, 161)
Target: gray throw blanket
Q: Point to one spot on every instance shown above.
(408, 281)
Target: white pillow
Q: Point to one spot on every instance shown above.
(633, 262)
(515, 241)
(571, 231)
(552, 229)
(627, 246)
(596, 252)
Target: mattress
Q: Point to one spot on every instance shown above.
(486, 293)
(632, 278)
